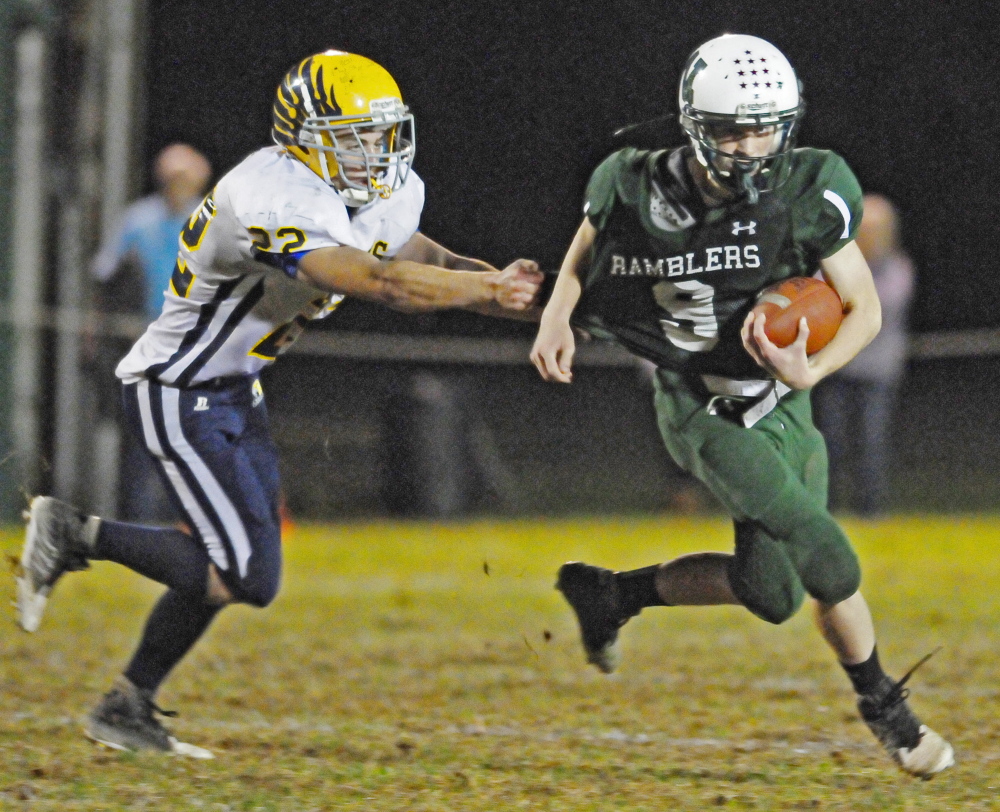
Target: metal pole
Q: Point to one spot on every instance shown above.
(69, 380)
(29, 237)
(15, 17)
(122, 38)
(119, 109)
(8, 484)
(80, 201)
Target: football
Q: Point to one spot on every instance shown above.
(785, 302)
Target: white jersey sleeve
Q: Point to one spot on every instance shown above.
(234, 303)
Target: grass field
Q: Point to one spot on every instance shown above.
(424, 667)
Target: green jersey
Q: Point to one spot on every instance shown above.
(672, 279)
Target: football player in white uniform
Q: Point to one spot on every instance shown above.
(332, 210)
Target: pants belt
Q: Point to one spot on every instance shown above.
(744, 401)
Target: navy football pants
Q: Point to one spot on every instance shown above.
(213, 447)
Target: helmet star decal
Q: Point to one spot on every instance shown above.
(738, 82)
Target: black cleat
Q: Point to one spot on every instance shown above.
(593, 594)
(124, 720)
(914, 746)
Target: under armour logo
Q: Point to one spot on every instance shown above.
(202, 404)
(750, 228)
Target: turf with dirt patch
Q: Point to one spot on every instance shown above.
(434, 667)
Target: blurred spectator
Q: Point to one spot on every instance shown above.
(132, 270)
(855, 406)
(441, 459)
(147, 234)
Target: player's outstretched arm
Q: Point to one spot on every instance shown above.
(555, 345)
(421, 248)
(410, 286)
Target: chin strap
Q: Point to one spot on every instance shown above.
(750, 190)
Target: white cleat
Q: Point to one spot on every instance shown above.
(190, 750)
(931, 755)
(59, 539)
(31, 594)
(30, 604)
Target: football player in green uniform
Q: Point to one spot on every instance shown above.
(674, 246)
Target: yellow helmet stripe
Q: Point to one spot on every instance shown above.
(328, 103)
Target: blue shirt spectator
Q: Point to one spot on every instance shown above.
(149, 228)
(133, 269)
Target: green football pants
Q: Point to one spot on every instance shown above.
(772, 479)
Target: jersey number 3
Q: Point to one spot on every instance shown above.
(690, 322)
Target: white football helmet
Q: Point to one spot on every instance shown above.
(738, 82)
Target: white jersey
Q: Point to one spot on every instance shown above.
(233, 304)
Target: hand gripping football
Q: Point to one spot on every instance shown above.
(784, 303)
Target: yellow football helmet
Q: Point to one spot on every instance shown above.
(343, 116)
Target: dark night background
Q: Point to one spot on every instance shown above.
(515, 103)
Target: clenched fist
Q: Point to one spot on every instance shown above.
(517, 285)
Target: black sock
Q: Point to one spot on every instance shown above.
(867, 677)
(637, 588)
(164, 554)
(174, 625)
